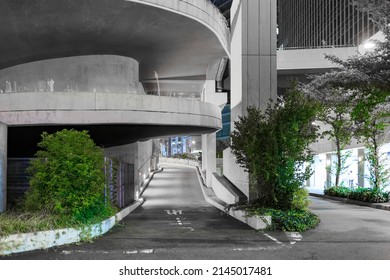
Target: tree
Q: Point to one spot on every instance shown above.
(379, 11)
(366, 80)
(68, 177)
(337, 105)
(274, 147)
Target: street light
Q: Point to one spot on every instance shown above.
(369, 45)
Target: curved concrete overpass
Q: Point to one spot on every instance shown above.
(111, 118)
(176, 38)
(58, 108)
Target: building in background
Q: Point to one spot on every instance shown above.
(311, 23)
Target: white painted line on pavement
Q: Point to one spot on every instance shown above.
(141, 251)
(274, 239)
(174, 212)
(294, 237)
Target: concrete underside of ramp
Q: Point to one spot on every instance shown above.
(176, 46)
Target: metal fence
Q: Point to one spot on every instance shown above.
(119, 187)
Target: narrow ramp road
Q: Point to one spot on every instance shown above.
(175, 222)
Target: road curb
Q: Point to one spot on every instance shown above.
(380, 206)
(255, 222)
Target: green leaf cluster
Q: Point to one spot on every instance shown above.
(371, 195)
(287, 220)
(274, 147)
(67, 178)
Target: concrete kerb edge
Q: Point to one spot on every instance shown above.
(23, 242)
(351, 201)
(255, 222)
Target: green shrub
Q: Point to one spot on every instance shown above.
(337, 191)
(68, 178)
(300, 199)
(294, 220)
(274, 147)
(184, 156)
(289, 220)
(371, 195)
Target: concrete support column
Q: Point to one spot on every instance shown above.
(209, 155)
(253, 55)
(209, 141)
(253, 67)
(361, 167)
(3, 166)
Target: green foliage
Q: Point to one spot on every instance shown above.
(362, 99)
(68, 178)
(288, 220)
(371, 195)
(273, 148)
(338, 191)
(221, 145)
(300, 199)
(184, 156)
(15, 222)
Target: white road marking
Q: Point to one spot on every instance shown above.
(273, 239)
(190, 228)
(257, 248)
(68, 252)
(294, 237)
(130, 252)
(174, 212)
(142, 251)
(146, 251)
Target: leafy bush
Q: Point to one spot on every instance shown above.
(371, 195)
(68, 178)
(300, 199)
(274, 148)
(289, 220)
(184, 156)
(337, 191)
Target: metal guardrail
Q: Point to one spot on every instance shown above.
(316, 47)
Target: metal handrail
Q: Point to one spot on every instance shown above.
(316, 47)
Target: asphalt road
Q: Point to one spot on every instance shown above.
(175, 222)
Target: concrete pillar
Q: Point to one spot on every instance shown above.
(209, 141)
(361, 167)
(253, 55)
(3, 166)
(209, 155)
(253, 67)
(329, 170)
